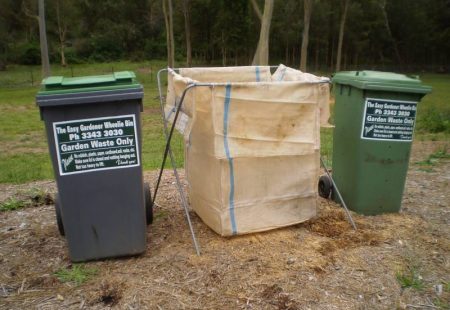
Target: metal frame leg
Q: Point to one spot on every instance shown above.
(349, 216)
(168, 150)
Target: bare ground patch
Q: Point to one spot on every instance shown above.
(320, 264)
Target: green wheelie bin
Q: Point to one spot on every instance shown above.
(375, 115)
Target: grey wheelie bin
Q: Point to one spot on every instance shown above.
(94, 138)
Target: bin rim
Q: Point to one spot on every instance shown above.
(381, 81)
(53, 85)
(97, 96)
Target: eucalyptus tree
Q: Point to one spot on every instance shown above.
(262, 50)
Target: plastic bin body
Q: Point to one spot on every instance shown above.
(375, 116)
(101, 199)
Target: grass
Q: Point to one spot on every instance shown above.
(427, 164)
(24, 151)
(12, 204)
(447, 286)
(76, 274)
(441, 303)
(410, 278)
(160, 215)
(326, 145)
(26, 198)
(433, 113)
(23, 142)
(24, 167)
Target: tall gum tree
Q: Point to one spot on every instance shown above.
(308, 6)
(344, 5)
(187, 29)
(262, 50)
(62, 30)
(382, 5)
(40, 18)
(168, 19)
(43, 40)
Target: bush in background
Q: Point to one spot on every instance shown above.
(434, 119)
(27, 53)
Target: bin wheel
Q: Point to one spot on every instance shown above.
(59, 221)
(148, 204)
(325, 186)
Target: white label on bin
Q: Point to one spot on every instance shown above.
(390, 120)
(87, 145)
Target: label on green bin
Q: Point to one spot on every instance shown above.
(94, 144)
(390, 120)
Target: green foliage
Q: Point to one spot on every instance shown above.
(428, 163)
(160, 215)
(441, 303)
(28, 53)
(21, 168)
(76, 274)
(154, 49)
(22, 134)
(105, 47)
(447, 286)
(410, 278)
(442, 153)
(227, 32)
(72, 57)
(12, 204)
(37, 197)
(433, 113)
(31, 197)
(23, 141)
(436, 121)
(326, 146)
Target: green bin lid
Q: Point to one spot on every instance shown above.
(63, 85)
(383, 81)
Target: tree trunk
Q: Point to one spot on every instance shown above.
(345, 60)
(293, 55)
(187, 28)
(341, 34)
(389, 32)
(332, 53)
(62, 29)
(262, 50)
(224, 51)
(286, 57)
(43, 41)
(305, 39)
(167, 10)
(316, 64)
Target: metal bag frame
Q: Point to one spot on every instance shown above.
(168, 151)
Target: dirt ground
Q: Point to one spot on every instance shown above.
(320, 264)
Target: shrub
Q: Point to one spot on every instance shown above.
(28, 54)
(435, 120)
(106, 47)
(154, 49)
(71, 56)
